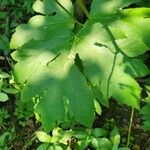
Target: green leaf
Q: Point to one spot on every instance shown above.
(105, 7)
(133, 23)
(137, 68)
(80, 135)
(145, 111)
(58, 147)
(146, 125)
(107, 66)
(49, 7)
(3, 97)
(3, 138)
(4, 44)
(41, 33)
(66, 137)
(4, 75)
(43, 137)
(94, 142)
(51, 93)
(115, 138)
(146, 116)
(100, 58)
(99, 132)
(136, 34)
(83, 143)
(104, 144)
(43, 146)
(10, 90)
(97, 107)
(147, 88)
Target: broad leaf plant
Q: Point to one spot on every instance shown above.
(63, 65)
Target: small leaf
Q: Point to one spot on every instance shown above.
(145, 111)
(4, 74)
(115, 138)
(3, 97)
(146, 125)
(147, 88)
(43, 146)
(57, 132)
(97, 107)
(104, 144)
(43, 137)
(146, 116)
(99, 132)
(3, 138)
(11, 91)
(82, 144)
(66, 137)
(94, 142)
(80, 135)
(56, 147)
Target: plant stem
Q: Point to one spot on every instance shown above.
(130, 126)
(75, 20)
(82, 6)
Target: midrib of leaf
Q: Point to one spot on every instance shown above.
(110, 75)
(70, 57)
(114, 53)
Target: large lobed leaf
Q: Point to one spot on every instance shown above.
(108, 46)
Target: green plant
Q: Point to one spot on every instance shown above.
(3, 145)
(12, 13)
(3, 76)
(101, 58)
(146, 116)
(145, 111)
(6, 87)
(5, 138)
(23, 112)
(96, 138)
(3, 115)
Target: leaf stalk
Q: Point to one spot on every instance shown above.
(84, 9)
(130, 127)
(75, 20)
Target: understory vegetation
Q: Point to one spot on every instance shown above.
(74, 75)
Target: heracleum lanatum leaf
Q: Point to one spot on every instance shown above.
(46, 51)
(49, 7)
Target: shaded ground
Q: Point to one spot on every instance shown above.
(24, 138)
(120, 116)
